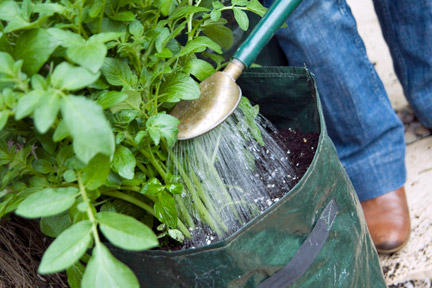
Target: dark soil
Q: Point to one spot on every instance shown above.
(22, 245)
(301, 147)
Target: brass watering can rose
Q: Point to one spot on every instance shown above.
(219, 94)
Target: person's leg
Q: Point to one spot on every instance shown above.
(407, 28)
(367, 134)
(361, 122)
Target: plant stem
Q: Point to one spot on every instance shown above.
(201, 209)
(141, 204)
(149, 156)
(101, 17)
(130, 199)
(189, 23)
(184, 211)
(142, 168)
(89, 211)
(215, 174)
(208, 202)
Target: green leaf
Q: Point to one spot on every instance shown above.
(65, 38)
(96, 8)
(176, 235)
(174, 188)
(183, 11)
(67, 248)
(162, 39)
(34, 47)
(69, 176)
(118, 72)
(256, 7)
(46, 142)
(133, 101)
(75, 274)
(165, 53)
(239, 2)
(241, 18)
(105, 271)
(126, 232)
(38, 82)
(163, 125)
(4, 115)
(48, 9)
(28, 103)
(153, 187)
(105, 37)
(217, 5)
(53, 226)
(165, 209)
(140, 136)
(48, 202)
(199, 44)
(61, 132)
(46, 112)
(7, 64)
(90, 55)
(11, 12)
(215, 15)
(200, 69)
(167, 6)
(136, 28)
(111, 98)
(178, 87)
(219, 33)
(68, 77)
(26, 8)
(88, 127)
(96, 172)
(124, 162)
(124, 16)
(42, 166)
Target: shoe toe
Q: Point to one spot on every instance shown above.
(388, 221)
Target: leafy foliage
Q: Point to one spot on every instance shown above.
(85, 87)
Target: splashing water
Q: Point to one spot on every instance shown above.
(228, 177)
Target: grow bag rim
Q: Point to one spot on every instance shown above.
(303, 181)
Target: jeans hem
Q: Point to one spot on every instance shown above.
(371, 180)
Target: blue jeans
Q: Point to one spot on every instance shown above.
(368, 136)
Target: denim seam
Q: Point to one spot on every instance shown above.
(356, 36)
(372, 73)
(397, 53)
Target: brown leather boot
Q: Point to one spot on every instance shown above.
(388, 221)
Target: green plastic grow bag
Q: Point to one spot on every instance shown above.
(315, 236)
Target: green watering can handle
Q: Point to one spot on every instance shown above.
(264, 30)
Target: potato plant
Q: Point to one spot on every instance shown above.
(85, 91)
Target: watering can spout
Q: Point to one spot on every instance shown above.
(219, 93)
(219, 97)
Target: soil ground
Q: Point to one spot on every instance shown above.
(411, 267)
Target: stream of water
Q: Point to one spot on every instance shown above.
(229, 178)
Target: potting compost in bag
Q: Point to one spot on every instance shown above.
(315, 236)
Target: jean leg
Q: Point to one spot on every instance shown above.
(407, 29)
(360, 120)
